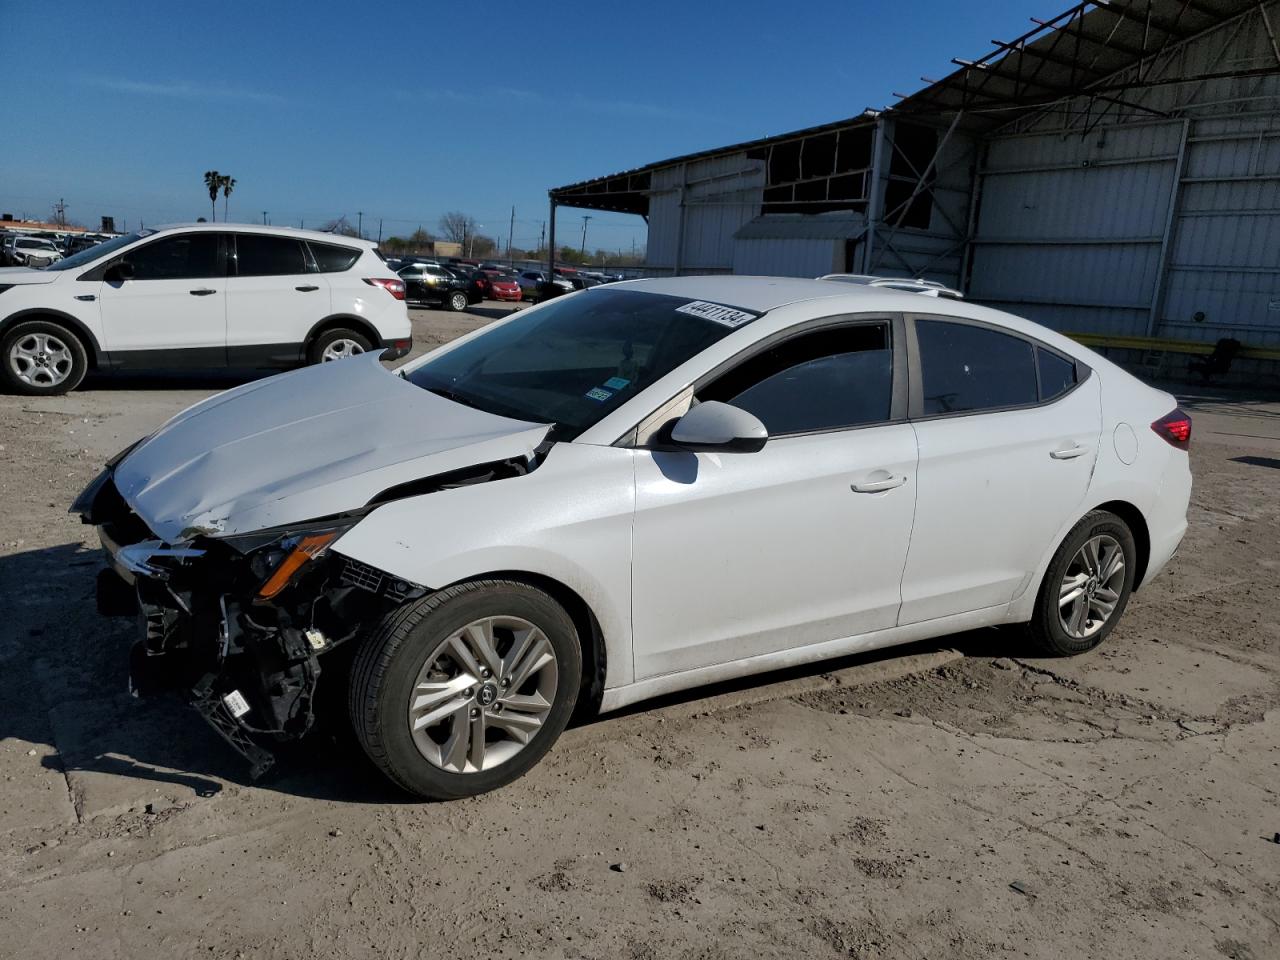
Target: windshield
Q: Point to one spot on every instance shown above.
(97, 252)
(575, 360)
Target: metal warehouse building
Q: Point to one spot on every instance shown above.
(1113, 173)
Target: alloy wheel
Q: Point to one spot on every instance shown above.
(340, 350)
(483, 694)
(1091, 586)
(41, 360)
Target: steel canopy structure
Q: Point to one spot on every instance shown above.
(1113, 170)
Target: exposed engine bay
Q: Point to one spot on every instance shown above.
(239, 625)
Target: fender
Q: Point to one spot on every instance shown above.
(97, 356)
(569, 520)
(340, 319)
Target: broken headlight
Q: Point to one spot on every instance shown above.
(278, 557)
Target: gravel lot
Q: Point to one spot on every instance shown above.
(940, 800)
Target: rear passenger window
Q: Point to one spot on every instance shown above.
(1057, 375)
(260, 255)
(331, 258)
(965, 367)
(825, 380)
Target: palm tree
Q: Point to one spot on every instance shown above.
(213, 180)
(228, 184)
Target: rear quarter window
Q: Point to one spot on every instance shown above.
(331, 258)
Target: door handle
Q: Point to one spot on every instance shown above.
(1069, 453)
(202, 292)
(877, 486)
(86, 297)
(306, 288)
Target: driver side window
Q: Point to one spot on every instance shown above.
(189, 256)
(827, 379)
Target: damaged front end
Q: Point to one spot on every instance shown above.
(237, 624)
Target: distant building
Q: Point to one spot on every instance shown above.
(1114, 173)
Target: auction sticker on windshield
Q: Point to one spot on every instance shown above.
(717, 313)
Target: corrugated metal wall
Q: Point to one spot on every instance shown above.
(720, 194)
(1070, 229)
(788, 257)
(1077, 230)
(1224, 262)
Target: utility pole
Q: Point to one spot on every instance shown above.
(360, 223)
(60, 212)
(264, 218)
(542, 235)
(300, 227)
(511, 229)
(585, 218)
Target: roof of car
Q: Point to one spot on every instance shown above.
(763, 293)
(276, 231)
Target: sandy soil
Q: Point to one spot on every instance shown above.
(944, 800)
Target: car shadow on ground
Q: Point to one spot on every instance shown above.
(65, 677)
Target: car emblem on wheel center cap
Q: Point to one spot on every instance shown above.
(487, 694)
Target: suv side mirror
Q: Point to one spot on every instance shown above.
(121, 270)
(716, 426)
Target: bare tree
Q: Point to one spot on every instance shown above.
(341, 226)
(457, 227)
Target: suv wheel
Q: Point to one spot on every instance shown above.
(465, 690)
(458, 301)
(338, 344)
(41, 358)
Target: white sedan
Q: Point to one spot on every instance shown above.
(624, 492)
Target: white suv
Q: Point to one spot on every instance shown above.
(36, 251)
(198, 295)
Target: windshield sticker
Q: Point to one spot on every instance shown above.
(717, 313)
(597, 393)
(615, 383)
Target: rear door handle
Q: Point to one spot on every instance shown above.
(307, 288)
(876, 486)
(202, 292)
(1069, 453)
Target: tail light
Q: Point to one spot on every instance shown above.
(1174, 428)
(393, 287)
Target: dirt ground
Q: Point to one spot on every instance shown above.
(957, 799)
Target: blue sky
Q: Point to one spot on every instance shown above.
(322, 109)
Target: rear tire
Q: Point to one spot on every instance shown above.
(458, 301)
(427, 709)
(1086, 587)
(40, 358)
(337, 344)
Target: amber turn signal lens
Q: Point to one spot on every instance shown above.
(308, 549)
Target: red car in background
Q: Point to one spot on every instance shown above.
(504, 286)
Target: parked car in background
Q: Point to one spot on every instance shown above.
(74, 244)
(477, 283)
(624, 494)
(505, 286)
(433, 284)
(20, 251)
(535, 286)
(198, 295)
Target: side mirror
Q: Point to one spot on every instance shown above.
(122, 270)
(715, 426)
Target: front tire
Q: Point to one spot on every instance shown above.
(41, 358)
(338, 344)
(465, 690)
(1086, 587)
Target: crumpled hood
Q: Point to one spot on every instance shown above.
(302, 445)
(24, 275)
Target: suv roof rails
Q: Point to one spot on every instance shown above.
(929, 288)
